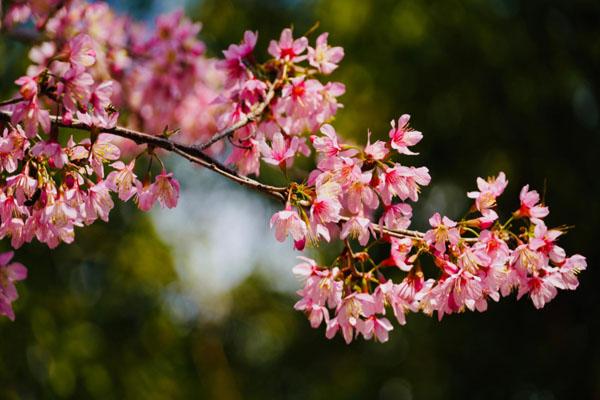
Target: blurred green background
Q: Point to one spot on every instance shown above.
(493, 84)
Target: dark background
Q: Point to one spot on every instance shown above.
(493, 84)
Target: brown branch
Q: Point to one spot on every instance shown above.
(189, 152)
(397, 233)
(11, 101)
(193, 154)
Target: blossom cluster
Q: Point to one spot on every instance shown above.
(474, 260)
(300, 103)
(65, 156)
(350, 184)
(95, 68)
(51, 184)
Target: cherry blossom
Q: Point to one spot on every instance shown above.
(530, 206)
(402, 136)
(9, 274)
(324, 57)
(287, 48)
(288, 222)
(444, 230)
(135, 92)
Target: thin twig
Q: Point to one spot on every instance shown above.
(245, 120)
(11, 101)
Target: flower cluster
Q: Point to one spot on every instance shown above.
(170, 82)
(159, 76)
(475, 259)
(95, 69)
(51, 186)
(350, 184)
(297, 106)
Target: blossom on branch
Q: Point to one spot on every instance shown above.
(137, 92)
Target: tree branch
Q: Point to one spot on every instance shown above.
(11, 101)
(195, 155)
(191, 153)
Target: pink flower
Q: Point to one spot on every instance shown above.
(52, 151)
(348, 316)
(9, 274)
(403, 182)
(529, 204)
(252, 91)
(246, 157)
(543, 241)
(377, 150)
(308, 267)
(288, 222)
(457, 291)
(360, 194)
(281, 152)
(16, 14)
(14, 228)
(540, 288)
(316, 312)
(98, 120)
(396, 216)
(320, 284)
(166, 189)
(472, 258)
(145, 196)
(98, 202)
(489, 190)
(327, 145)
(376, 327)
(406, 295)
(10, 207)
(444, 231)
(75, 88)
(526, 261)
(494, 247)
(29, 87)
(57, 223)
(569, 271)
(80, 51)
(100, 98)
(329, 103)
(403, 136)
(287, 48)
(43, 53)
(487, 219)
(13, 145)
(31, 114)
(325, 208)
(123, 180)
(400, 249)
(103, 150)
(24, 186)
(236, 55)
(324, 57)
(357, 227)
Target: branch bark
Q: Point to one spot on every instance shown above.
(197, 156)
(11, 101)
